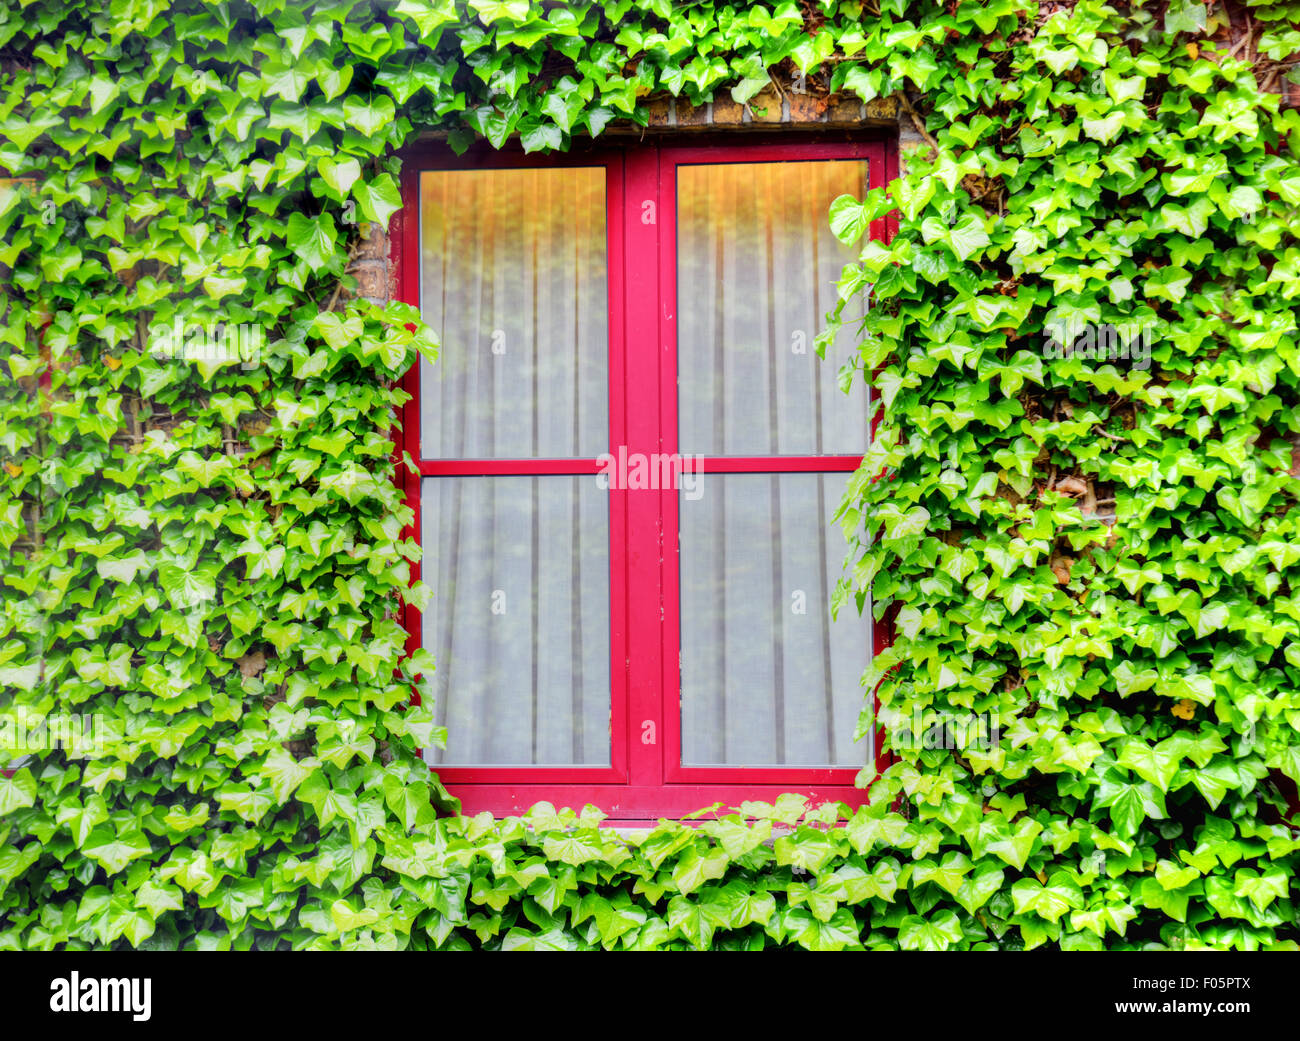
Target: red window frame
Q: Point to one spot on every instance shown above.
(643, 782)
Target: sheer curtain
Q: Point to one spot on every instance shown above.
(514, 279)
(519, 621)
(756, 272)
(767, 678)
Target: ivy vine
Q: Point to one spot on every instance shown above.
(205, 547)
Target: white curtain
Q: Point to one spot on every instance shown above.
(514, 279)
(519, 621)
(756, 272)
(767, 679)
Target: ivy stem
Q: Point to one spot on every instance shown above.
(917, 121)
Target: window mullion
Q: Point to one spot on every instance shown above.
(643, 212)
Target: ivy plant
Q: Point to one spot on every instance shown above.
(206, 552)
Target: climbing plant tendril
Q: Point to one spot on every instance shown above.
(206, 555)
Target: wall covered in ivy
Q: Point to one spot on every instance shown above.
(1084, 334)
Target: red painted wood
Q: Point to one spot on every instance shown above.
(620, 347)
(776, 464)
(670, 159)
(404, 253)
(644, 780)
(500, 467)
(670, 646)
(644, 550)
(644, 803)
(879, 174)
(772, 151)
(550, 776)
(891, 174)
(683, 464)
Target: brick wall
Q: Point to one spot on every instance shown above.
(768, 108)
(373, 268)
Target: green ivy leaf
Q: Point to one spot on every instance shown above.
(313, 239)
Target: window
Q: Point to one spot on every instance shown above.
(629, 455)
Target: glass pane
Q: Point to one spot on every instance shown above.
(756, 272)
(513, 277)
(519, 620)
(767, 678)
